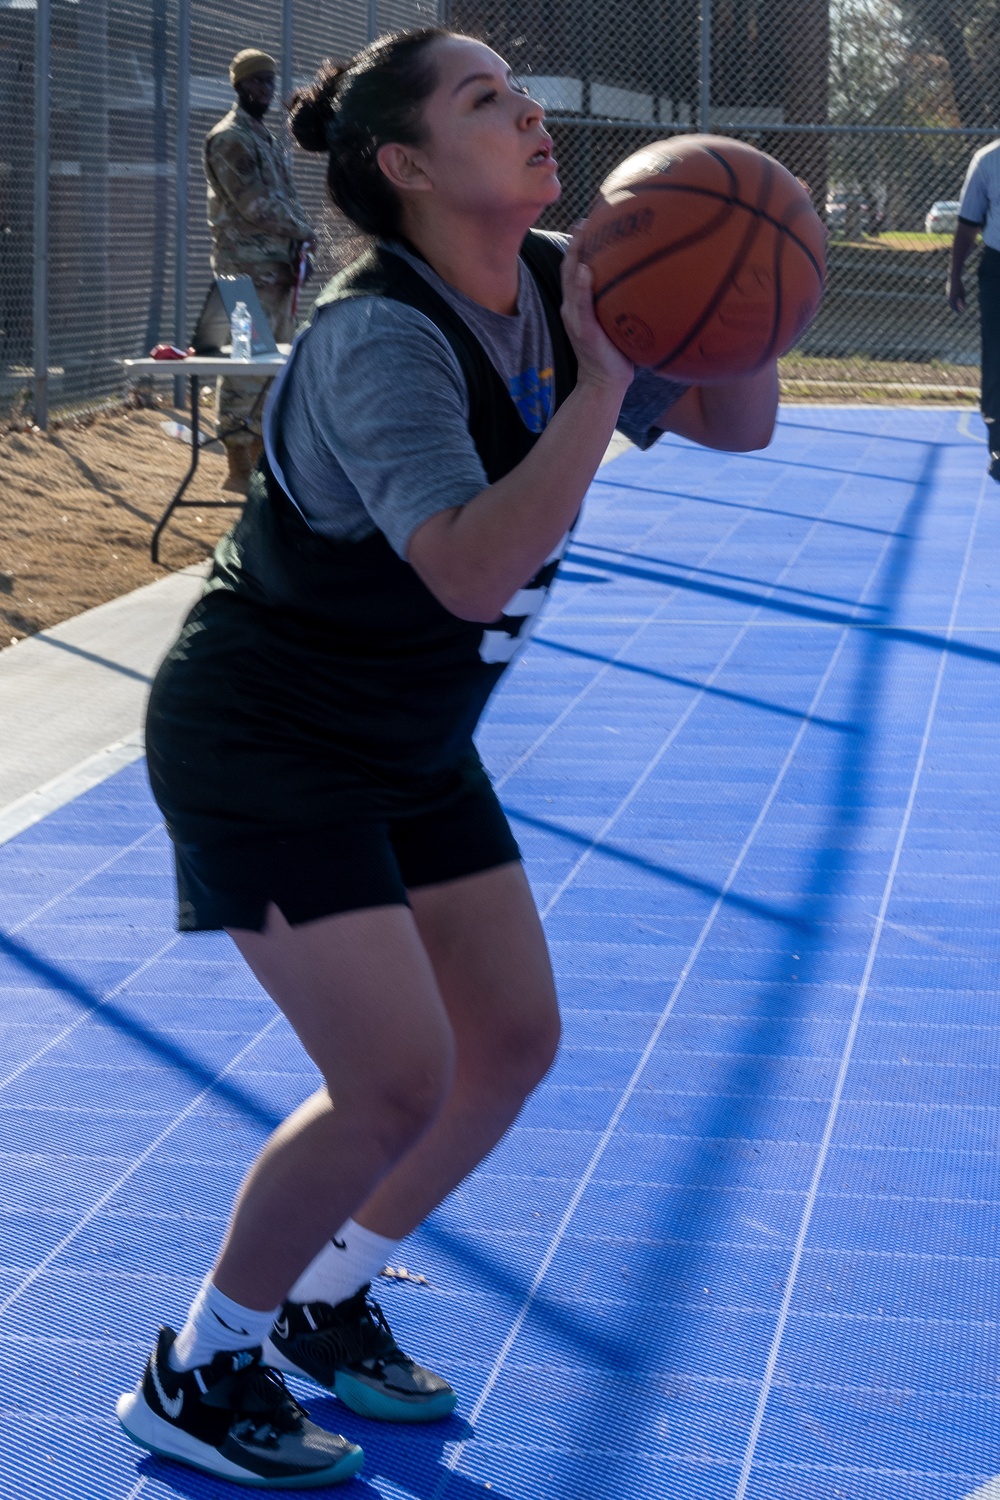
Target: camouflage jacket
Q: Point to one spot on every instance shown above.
(254, 212)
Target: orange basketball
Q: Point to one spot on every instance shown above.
(708, 258)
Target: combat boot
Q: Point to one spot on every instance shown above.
(241, 461)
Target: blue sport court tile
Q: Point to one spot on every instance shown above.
(616, 1268)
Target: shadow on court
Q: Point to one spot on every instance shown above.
(677, 1255)
(114, 1016)
(927, 640)
(744, 699)
(412, 1458)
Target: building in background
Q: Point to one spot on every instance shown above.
(641, 63)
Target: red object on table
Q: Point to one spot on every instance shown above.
(169, 351)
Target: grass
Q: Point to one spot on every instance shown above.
(877, 381)
(897, 239)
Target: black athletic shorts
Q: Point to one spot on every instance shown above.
(312, 873)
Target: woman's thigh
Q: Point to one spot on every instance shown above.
(360, 992)
(485, 943)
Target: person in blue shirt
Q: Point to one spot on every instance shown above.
(979, 213)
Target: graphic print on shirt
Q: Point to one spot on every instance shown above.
(533, 393)
(509, 632)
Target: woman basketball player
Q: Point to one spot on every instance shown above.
(427, 451)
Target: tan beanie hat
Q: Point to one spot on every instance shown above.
(248, 62)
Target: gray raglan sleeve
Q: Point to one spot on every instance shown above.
(647, 399)
(388, 399)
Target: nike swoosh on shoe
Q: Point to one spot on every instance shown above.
(172, 1405)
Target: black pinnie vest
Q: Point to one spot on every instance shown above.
(395, 671)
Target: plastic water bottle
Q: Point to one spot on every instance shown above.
(241, 330)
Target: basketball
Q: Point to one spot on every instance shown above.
(707, 256)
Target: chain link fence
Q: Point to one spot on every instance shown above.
(877, 105)
(105, 245)
(857, 97)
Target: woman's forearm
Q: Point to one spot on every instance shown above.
(736, 417)
(475, 557)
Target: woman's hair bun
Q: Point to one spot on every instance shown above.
(312, 110)
(352, 109)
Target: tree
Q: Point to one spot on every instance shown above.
(967, 33)
(881, 73)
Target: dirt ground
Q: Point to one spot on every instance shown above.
(78, 510)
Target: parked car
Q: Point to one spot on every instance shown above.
(848, 214)
(942, 217)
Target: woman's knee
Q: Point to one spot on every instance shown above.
(395, 1101)
(535, 1051)
(515, 1054)
(406, 1102)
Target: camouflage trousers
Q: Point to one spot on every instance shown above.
(240, 402)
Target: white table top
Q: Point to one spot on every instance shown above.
(209, 365)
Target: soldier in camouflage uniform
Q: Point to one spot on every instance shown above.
(259, 229)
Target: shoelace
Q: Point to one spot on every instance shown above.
(261, 1400)
(363, 1336)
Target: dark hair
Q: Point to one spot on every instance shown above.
(351, 109)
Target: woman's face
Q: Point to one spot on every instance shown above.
(486, 149)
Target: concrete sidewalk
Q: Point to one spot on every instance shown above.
(73, 698)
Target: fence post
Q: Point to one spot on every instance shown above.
(161, 182)
(40, 288)
(705, 69)
(182, 148)
(95, 192)
(372, 20)
(287, 48)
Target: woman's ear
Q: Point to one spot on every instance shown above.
(402, 168)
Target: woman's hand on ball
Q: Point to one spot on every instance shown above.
(600, 363)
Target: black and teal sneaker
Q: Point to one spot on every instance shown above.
(235, 1419)
(350, 1350)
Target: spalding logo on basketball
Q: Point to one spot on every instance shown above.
(708, 258)
(635, 336)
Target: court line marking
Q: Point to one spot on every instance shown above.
(552, 617)
(799, 624)
(30, 809)
(604, 670)
(824, 1150)
(94, 1010)
(702, 692)
(87, 1015)
(454, 1456)
(139, 1161)
(630, 1087)
(964, 427)
(80, 882)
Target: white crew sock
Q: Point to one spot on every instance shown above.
(217, 1323)
(353, 1256)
